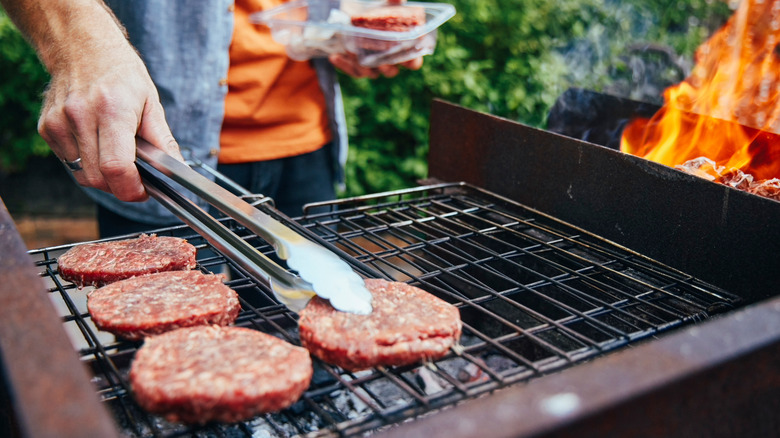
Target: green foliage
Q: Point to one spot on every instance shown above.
(496, 56)
(513, 58)
(22, 80)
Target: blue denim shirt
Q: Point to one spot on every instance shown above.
(185, 47)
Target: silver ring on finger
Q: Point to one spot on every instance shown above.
(74, 165)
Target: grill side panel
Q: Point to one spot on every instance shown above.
(722, 235)
(44, 389)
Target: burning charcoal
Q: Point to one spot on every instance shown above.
(470, 373)
(466, 371)
(429, 381)
(702, 167)
(705, 168)
(737, 179)
(348, 403)
(769, 188)
(499, 363)
(387, 392)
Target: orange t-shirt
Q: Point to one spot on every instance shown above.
(274, 106)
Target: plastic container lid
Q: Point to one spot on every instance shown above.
(318, 28)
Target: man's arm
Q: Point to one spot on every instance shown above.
(100, 96)
(348, 63)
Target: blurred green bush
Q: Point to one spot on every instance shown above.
(22, 81)
(511, 58)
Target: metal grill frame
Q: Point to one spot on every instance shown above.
(716, 377)
(446, 239)
(724, 236)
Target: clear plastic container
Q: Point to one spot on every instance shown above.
(318, 28)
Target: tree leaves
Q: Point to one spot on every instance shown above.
(22, 80)
(512, 58)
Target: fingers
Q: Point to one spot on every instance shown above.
(95, 114)
(55, 128)
(388, 71)
(155, 130)
(348, 63)
(116, 162)
(413, 64)
(98, 128)
(84, 131)
(56, 132)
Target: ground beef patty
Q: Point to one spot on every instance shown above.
(213, 373)
(407, 325)
(390, 18)
(160, 302)
(97, 264)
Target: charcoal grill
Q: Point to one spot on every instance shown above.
(566, 332)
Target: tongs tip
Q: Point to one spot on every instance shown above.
(346, 292)
(331, 278)
(357, 301)
(346, 296)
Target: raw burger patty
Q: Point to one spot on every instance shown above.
(407, 325)
(97, 264)
(151, 304)
(390, 18)
(213, 373)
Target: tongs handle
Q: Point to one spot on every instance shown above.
(319, 270)
(260, 223)
(289, 289)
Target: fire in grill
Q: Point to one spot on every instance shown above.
(535, 295)
(721, 122)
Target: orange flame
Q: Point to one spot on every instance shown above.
(728, 110)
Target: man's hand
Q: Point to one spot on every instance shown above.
(100, 97)
(94, 109)
(348, 63)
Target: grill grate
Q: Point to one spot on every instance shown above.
(535, 296)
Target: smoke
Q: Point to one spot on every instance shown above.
(625, 60)
(639, 48)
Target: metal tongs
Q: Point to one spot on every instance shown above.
(320, 271)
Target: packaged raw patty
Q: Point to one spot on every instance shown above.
(387, 18)
(390, 18)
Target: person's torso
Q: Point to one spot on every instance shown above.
(274, 107)
(185, 46)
